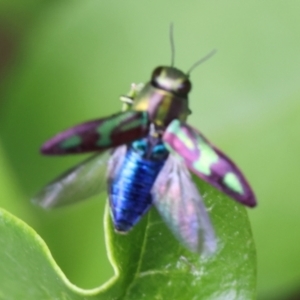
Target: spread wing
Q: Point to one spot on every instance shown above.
(208, 162)
(110, 132)
(180, 205)
(82, 181)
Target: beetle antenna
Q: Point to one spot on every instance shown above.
(202, 60)
(172, 45)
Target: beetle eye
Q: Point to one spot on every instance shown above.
(185, 88)
(156, 73)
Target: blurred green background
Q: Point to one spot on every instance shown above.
(63, 62)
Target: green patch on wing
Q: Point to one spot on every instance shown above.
(132, 124)
(125, 121)
(174, 128)
(71, 142)
(207, 158)
(104, 130)
(232, 181)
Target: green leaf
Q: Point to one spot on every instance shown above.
(27, 269)
(149, 263)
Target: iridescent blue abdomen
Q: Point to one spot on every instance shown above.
(129, 191)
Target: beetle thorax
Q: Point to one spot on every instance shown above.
(162, 106)
(165, 97)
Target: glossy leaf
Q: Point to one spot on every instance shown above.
(149, 262)
(161, 268)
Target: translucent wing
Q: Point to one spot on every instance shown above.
(82, 181)
(100, 134)
(179, 203)
(208, 162)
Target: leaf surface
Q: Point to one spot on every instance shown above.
(149, 262)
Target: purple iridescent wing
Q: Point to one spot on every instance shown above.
(101, 134)
(207, 162)
(180, 205)
(83, 181)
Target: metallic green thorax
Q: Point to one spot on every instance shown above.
(165, 97)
